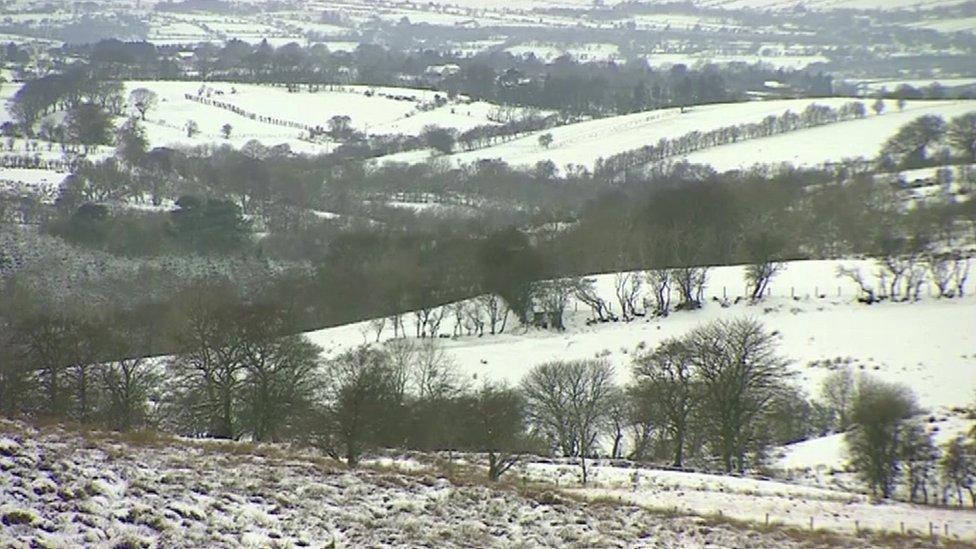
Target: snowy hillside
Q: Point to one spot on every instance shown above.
(833, 143)
(281, 116)
(585, 142)
(919, 344)
(65, 489)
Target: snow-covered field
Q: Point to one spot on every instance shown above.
(61, 488)
(928, 345)
(815, 146)
(372, 111)
(585, 142)
(35, 181)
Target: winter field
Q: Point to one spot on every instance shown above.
(584, 143)
(372, 111)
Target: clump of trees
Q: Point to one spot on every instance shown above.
(713, 392)
(930, 139)
(890, 445)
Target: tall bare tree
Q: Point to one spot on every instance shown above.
(569, 403)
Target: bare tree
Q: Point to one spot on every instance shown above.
(434, 373)
(553, 296)
(690, 282)
(763, 248)
(280, 377)
(495, 425)
(362, 396)
(497, 312)
(660, 282)
(545, 140)
(741, 374)
(759, 275)
(192, 128)
(920, 458)
(207, 373)
(838, 390)
(627, 287)
(667, 377)
(879, 412)
(428, 321)
(142, 100)
(474, 316)
(401, 353)
(127, 383)
(569, 403)
(586, 293)
(958, 469)
(868, 294)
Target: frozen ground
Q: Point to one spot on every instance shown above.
(64, 489)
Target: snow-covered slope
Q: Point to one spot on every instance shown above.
(585, 142)
(815, 146)
(371, 110)
(65, 489)
(929, 345)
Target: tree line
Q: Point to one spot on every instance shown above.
(565, 85)
(812, 116)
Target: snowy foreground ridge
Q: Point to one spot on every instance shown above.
(60, 488)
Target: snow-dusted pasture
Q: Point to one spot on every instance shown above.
(67, 489)
(585, 142)
(372, 111)
(815, 146)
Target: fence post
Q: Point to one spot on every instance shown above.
(767, 520)
(857, 527)
(811, 523)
